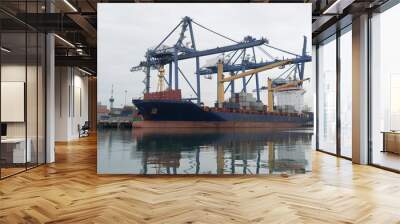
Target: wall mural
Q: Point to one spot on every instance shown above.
(194, 89)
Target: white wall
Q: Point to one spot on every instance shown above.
(71, 102)
(81, 104)
(61, 103)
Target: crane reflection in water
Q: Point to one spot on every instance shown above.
(204, 151)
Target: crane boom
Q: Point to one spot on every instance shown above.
(161, 58)
(257, 70)
(249, 65)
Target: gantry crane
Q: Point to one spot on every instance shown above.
(236, 58)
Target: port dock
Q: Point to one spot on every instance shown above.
(114, 123)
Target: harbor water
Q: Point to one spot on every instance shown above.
(204, 151)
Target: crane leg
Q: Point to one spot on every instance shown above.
(232, 86)
(148, 79)
(244, 84)
(270, 96)
(170, 76)
(198, 79)
(176, 70)
(220, 85)
(258, 88)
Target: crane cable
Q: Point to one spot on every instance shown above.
(169, 34)
(290, 68)
(287, 52)
(212, 31)
(266, 52)
(228, 38)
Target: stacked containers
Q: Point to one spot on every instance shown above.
(164, 95)
(244, 101)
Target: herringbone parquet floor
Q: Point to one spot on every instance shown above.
(70, 191)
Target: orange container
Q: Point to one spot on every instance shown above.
(165, 95)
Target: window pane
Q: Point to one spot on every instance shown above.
(346, 94)
(41, 98)
(13, 86)
(386, 88)
(23, 89)
(31, 97)
(327, 96)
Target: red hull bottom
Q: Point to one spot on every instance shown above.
(220, 124)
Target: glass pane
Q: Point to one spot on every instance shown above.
(386, 89)
(41, 98)
(23, 90)
(32, 95)
(346, 94)
(13, 86)
(327, 96)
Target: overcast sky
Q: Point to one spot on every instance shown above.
(126, 31)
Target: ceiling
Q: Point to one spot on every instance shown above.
(75, 22)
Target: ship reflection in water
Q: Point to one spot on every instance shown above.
(204, 151)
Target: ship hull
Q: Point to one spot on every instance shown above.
(165, 113)
(215, 124)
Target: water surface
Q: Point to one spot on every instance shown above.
(204, 151)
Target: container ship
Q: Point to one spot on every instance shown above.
(167, 109)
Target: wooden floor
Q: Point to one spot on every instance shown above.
(387, 159)
(70, 191)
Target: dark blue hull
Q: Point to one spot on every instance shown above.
(183, 111)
